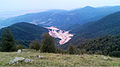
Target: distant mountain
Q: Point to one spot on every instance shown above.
(12, 13)
(63, 18)
(41, 18)
(26, 31)
(109, 25)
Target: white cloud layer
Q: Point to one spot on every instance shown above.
(65, 36)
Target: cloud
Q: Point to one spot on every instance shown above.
(64, 36)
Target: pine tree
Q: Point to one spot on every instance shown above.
(8, 43)
(35, 45)
(48, 44)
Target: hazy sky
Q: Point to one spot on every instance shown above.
(53, 4)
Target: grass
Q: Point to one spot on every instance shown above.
(57, 60)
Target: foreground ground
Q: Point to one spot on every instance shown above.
(57, 60)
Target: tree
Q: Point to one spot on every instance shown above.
(71, 49)
(35, 45)
(115, 54)
(8, 43)
(48, 44)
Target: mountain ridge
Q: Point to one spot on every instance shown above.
(63, 18)
(109, 25)
(26, 31)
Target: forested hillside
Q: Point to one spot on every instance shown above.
(26, 31)
(107, 45)
(109, 25)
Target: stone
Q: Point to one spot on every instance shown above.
(17, 59)
(105, 58)
(19, 51)
(11, 62)
(27, 60)
(41, 57)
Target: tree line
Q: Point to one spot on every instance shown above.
(107, 45)
(8, 44)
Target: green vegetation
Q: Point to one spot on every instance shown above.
(23, 42)
(99, 37)
(108, 25)
(25, 31)
(71, 49)
(57, 60)
(48, 44)
(74, 56)
(107, 45)
(35, 45)
(8, 43)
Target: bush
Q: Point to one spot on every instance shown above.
(71, 49)
(35, 45)
(48, 44)
(115, 54)
(62, 51)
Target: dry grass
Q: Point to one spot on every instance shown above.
(57, 60)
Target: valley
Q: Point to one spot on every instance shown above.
(88, 35)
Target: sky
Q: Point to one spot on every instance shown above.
(9, 5)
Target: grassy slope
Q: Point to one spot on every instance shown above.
(57, 60)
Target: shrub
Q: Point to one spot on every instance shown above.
(115, 53)
(35, 45)
(71, 49)
(48, 44)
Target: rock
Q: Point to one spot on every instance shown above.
(41, 57)
(108, 59)
(11, 62)
(17, 59)
(27, 60)
(19, 51)
(105, 58)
